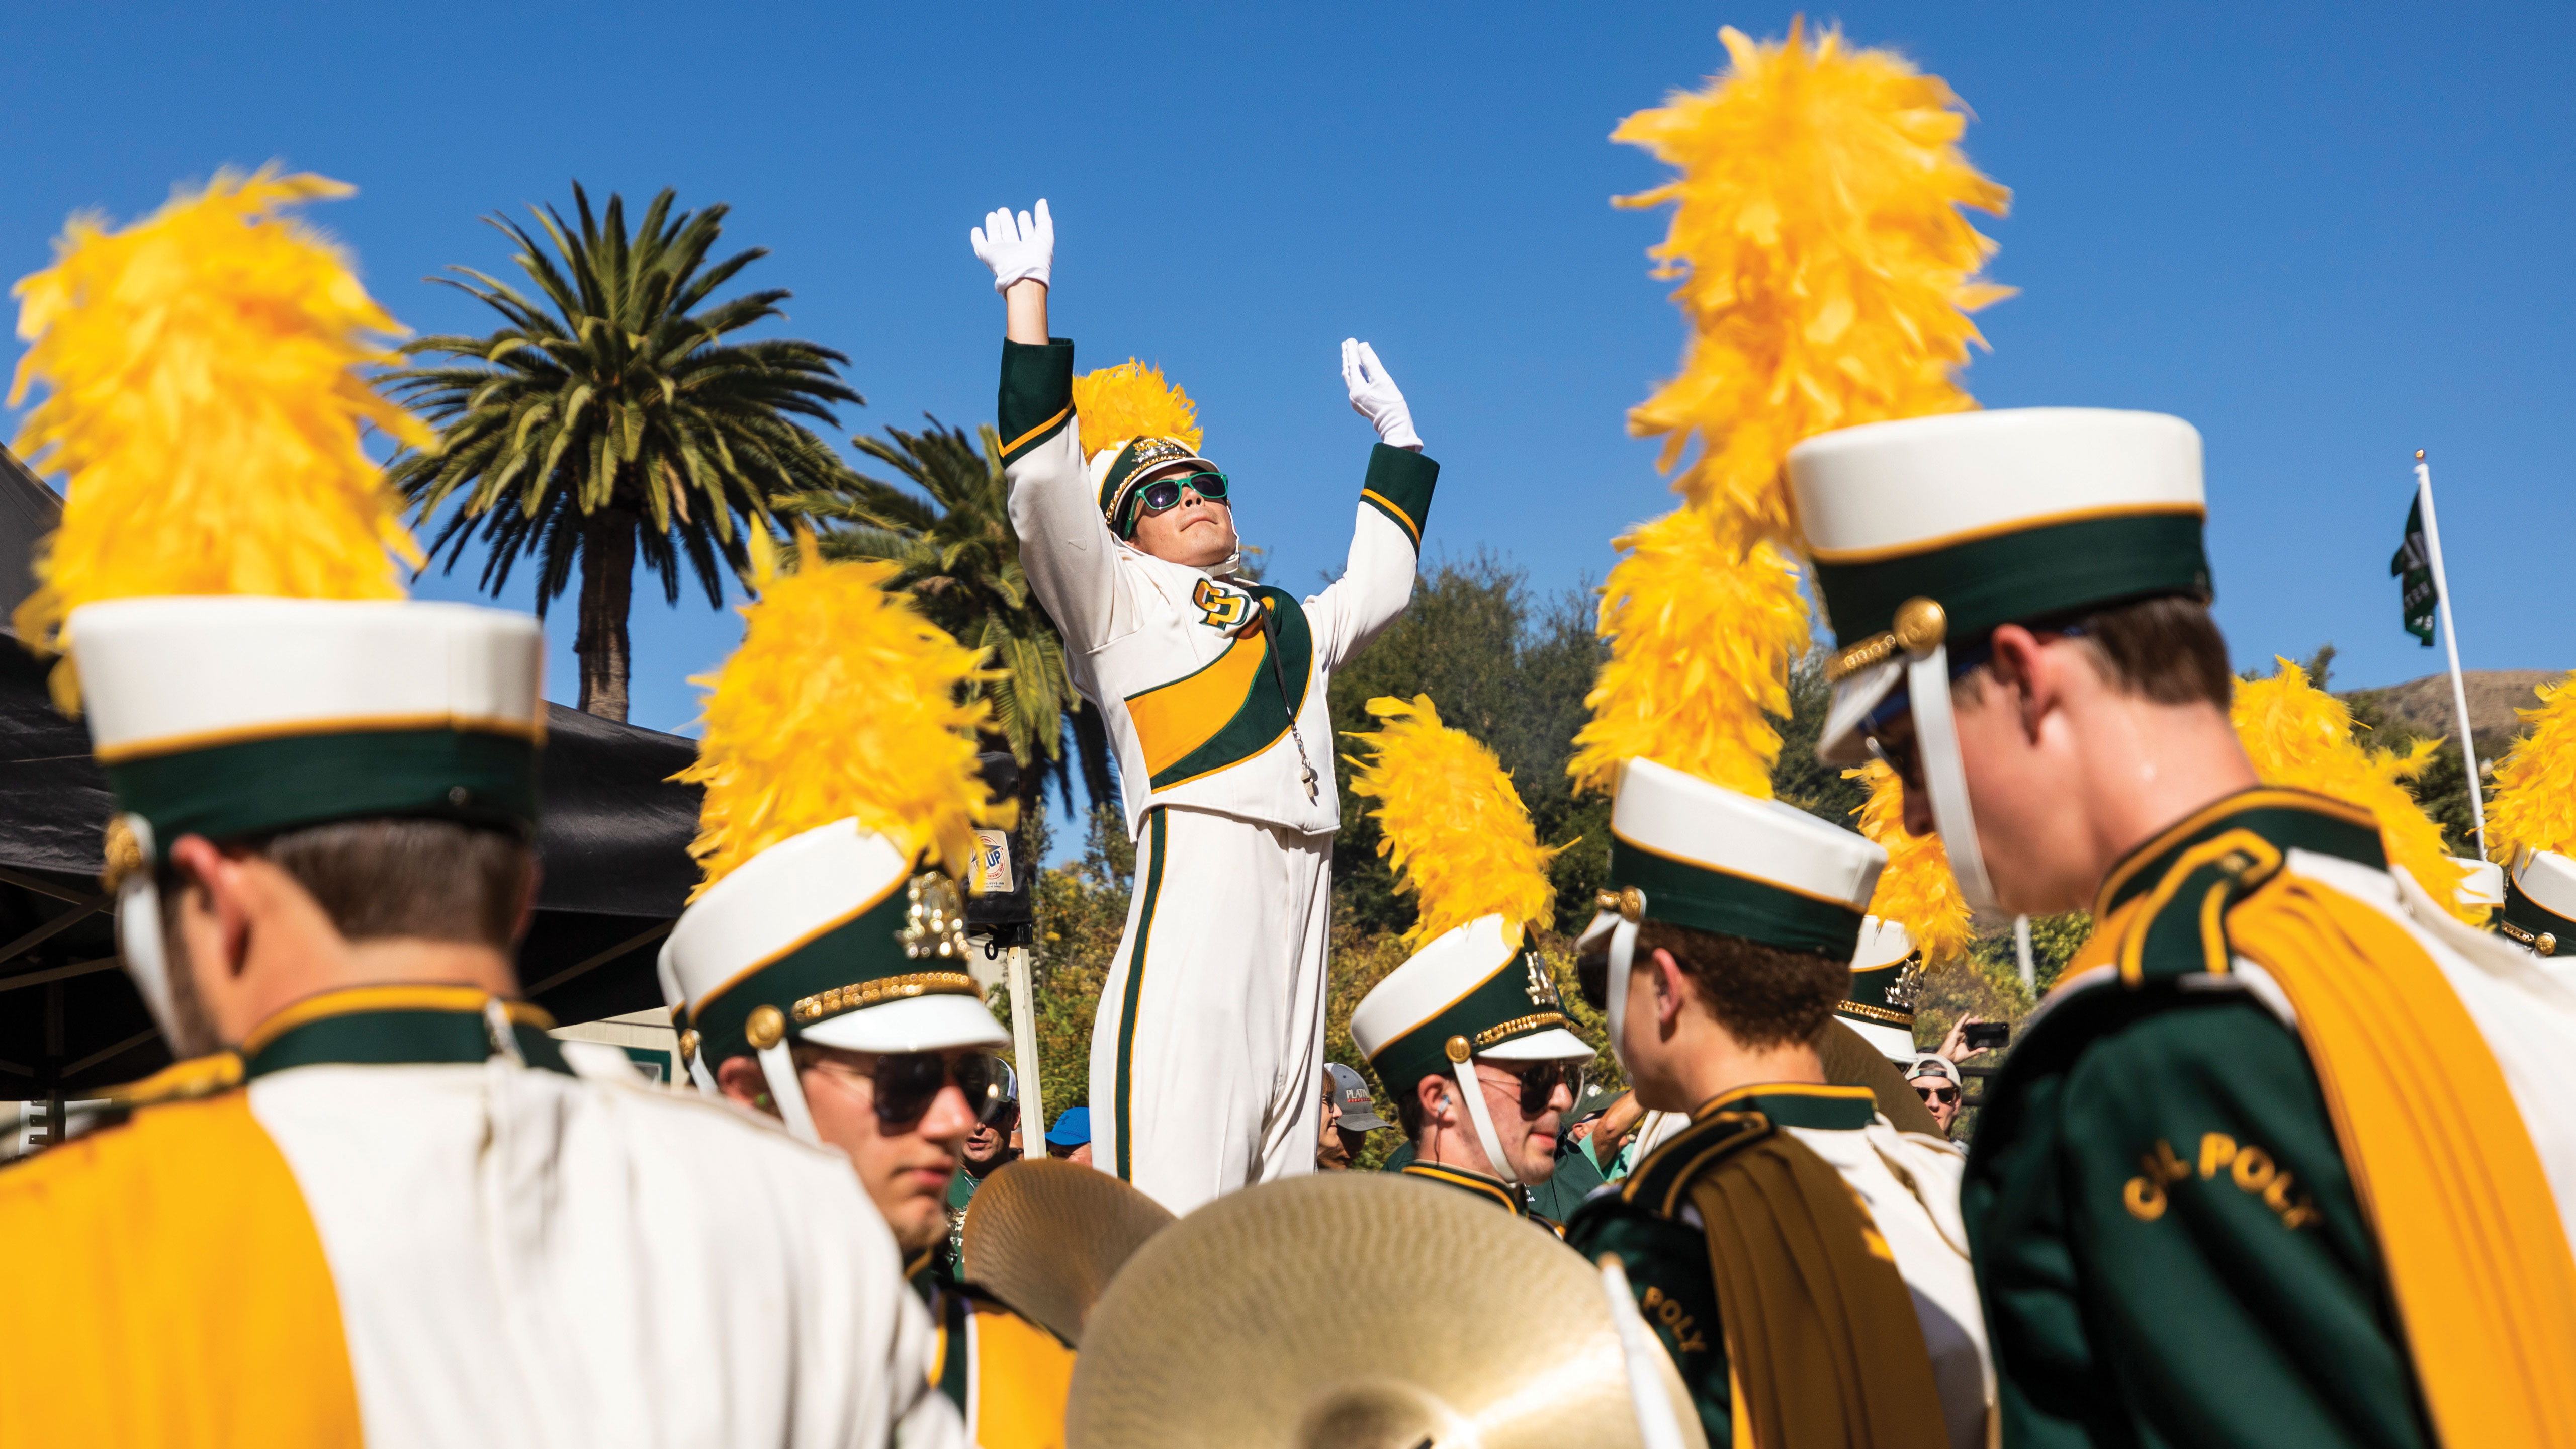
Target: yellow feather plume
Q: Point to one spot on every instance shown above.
(1131, 400)
(841, 701)
(2299, 736)
(202, 393)
(1454, 827)
(1916, 890)
(2534, 805)
(1702, 631)
(1826, 270)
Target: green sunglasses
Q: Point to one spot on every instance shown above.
(1164, 494)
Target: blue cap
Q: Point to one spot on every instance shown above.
(1072, 1129)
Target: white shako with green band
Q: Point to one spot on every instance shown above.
(2540, 903)
(833, 937)
(1471, 992)
(235, 717)
(1924, 535)
(1689, 853)
(1885, 980)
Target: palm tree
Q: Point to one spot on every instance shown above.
(611, 416)
(961, 559)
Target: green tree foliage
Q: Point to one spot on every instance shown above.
(611, 416)
(955, 548)
(1506, 668)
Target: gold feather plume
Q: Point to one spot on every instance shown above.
(1132, 400)
(2534, 805)
(1702, 632)
(1825, 267)
(1454, 827)
(2299, 736)
(202, 394)
(1826, 273)
(1916, 890)
(842, 701)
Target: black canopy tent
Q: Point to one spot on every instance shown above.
(614, 843)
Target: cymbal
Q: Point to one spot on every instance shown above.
(1357, 1311)
(1046, 1236)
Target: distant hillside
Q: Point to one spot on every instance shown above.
(2423, 706)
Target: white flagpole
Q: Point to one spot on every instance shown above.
(2451, 642)
(1024, 1048)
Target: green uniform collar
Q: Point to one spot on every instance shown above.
(1798, 1104)
(2282, 818)
(1514, 1199)
(397, 1026)
(2196, 869)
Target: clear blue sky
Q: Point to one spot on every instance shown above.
(2327, 235)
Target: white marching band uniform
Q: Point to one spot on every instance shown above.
(1210, 1035)
(402, 1214)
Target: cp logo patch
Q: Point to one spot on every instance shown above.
(1221, 608)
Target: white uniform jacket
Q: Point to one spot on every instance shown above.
(392, 1235)
(1188, 679)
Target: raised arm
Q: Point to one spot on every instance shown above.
(1395, 502)
(1070, 558)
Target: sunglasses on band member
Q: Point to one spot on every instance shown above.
(1539, 1081)
(907, 1083)
(1164, 494)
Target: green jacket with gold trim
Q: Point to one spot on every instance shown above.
(2164, 1231)
(1905, 1190)
(1007, 1376)
(1510, 1197)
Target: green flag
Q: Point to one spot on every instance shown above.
(2413, 569)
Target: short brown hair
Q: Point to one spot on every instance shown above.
(433, 880)
(1408, 1111)
(2169, 650)
(1763, 995)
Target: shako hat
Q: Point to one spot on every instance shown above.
(841, 775)
(1134, 425)
(1476, 987)
(1886, 981)
(224, 582)
(831, 937)
(1925, 534)
(2531, 821)
(2540, 902)
(1690, 853)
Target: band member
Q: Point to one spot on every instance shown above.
(2278, 1241)
(823, 968)
(378, 1203)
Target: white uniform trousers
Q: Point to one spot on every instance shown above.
(1208, 1052)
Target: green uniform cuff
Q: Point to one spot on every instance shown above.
(1037, 394)
(1399, 485)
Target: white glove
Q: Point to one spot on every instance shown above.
(1375, 396)
(1022, 250)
